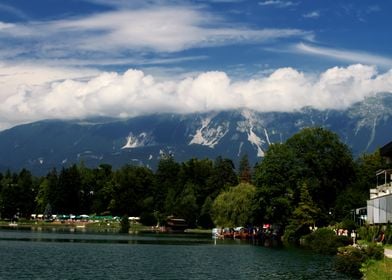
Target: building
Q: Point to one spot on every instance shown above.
(379, 206)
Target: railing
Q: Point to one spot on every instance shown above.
(381, 190)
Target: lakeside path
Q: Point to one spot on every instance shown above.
(388, 253)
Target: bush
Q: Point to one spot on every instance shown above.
(325, 241)
(124, 224)
(368, 233)
(388, 234)
(351, 260)
(293, 233)
(374, 251)
(148, 219)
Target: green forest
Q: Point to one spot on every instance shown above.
(311, 179)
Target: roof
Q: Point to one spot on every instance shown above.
(386, 150)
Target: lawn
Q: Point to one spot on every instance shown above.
(379, 270)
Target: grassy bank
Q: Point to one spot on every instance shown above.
(378, 270)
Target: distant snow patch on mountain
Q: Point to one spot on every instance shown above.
(256, 141)
(208, 134)
(248, 125)
(240, 149)
(267, 136)
(141, 140)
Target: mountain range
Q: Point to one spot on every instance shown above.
(143, 140)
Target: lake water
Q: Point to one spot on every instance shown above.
(77, 255)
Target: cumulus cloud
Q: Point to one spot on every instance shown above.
(29, 94)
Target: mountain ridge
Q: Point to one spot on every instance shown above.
(142, 140)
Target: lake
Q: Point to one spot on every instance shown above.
(32, 254)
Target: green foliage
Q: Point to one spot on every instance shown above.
(297, 184)
(314, 156)
(377, 270)
(17, 195)
(307, 212)
(148, 219)
(326, 161)
(325, 241)
(222, 177)
(304, 216)
(205, 219)
(348, 224)
(124, 224)
(245, 172)
(388, 234)
(186, 206)
(368, 233)
(350, 259)
(235, 207)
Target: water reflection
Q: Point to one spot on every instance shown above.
(62, 254)
(40, 234)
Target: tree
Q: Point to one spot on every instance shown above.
(314, 155)
(9, 197)
(47, 192)
(103, 188)
(195, 173)
(325, 160)
(235, 207)
(124, 224)
(245, 172)
(307, 212)
(357, 193)
(205, 219)
(132, 185)
(68, 195)
(276, 180)
(166, 180)
(222, 176)
(186, 206)
(28, 191)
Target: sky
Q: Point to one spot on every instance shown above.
(122, 58)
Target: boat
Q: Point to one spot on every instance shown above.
(176, 224)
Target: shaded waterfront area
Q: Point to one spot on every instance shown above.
(80, 255)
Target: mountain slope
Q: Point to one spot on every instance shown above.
(44, 145)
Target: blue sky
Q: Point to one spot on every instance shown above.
(80, 58)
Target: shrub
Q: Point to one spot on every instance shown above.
(352, 260)
(293, 233)
(374, 251)
(124, 224)
(349, 261)
(325, 241)
(148, 219)
(388, 234)
(368, 233)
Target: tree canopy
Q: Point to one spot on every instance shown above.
(314, 156)
(309, 179)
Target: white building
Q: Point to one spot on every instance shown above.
(379, 206)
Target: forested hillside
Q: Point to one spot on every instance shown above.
(312, 178)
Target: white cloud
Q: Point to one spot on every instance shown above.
(29, 93)
(119, 33)
(278, 3)
(345, 55)
(314, 14)
(13, 11)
